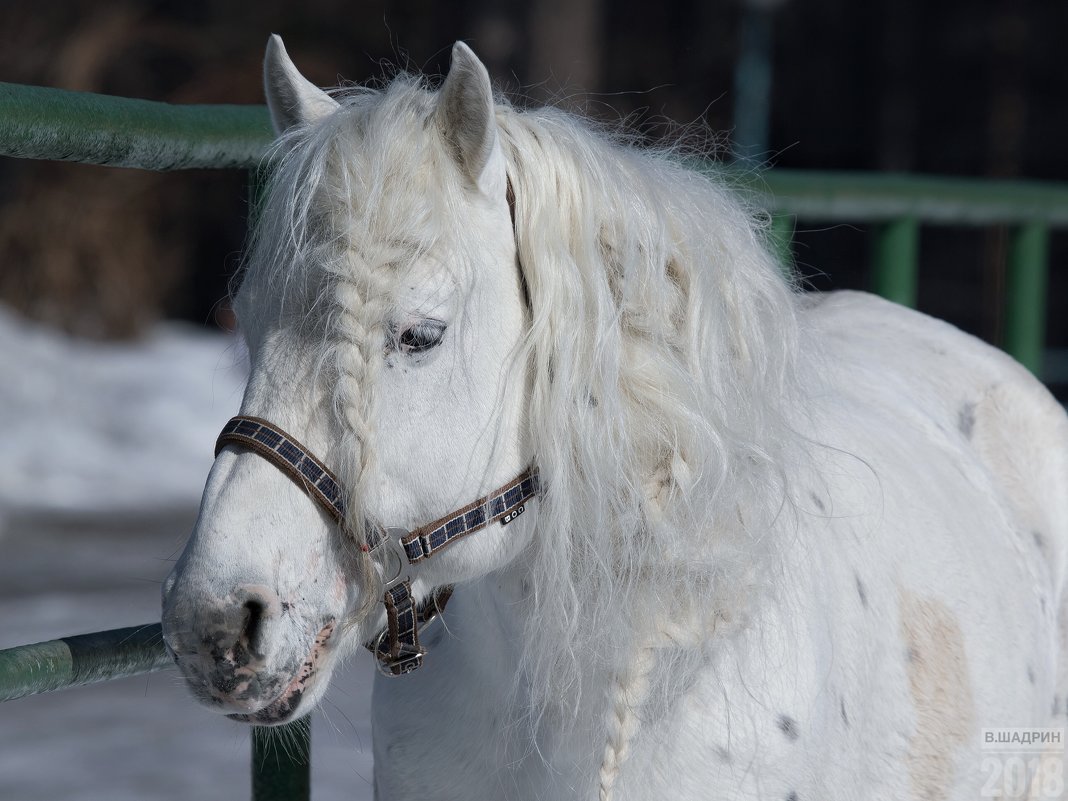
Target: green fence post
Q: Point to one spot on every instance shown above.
(781, 239)
(1025, 294)
(281, 762)
(896, 262)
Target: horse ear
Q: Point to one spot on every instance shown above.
(465, 115)
(291, 98)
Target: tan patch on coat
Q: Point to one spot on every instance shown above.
(941, 693)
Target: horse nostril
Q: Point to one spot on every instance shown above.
(254, 612)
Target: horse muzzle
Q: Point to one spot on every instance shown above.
(247, 654)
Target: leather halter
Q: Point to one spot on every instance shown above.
(397, 645)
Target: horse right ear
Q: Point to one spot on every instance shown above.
(465, 115)
(291, 98)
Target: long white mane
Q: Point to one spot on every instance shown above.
(661, 356)
(663, 351)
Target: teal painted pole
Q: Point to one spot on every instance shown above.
(896, 262)
(54, 124)
(85, 659)
(752, 84)
(281, 762)
(1025, 294)
(781, 237)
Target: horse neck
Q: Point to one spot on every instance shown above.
(568, 736)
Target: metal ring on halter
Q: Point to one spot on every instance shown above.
(381, 666)
(427, 615)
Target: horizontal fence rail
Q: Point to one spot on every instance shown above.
(84, 659)
(898, 205)
(58, 125)
(886, 197)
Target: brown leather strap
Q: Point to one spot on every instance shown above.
(291, 457)
(288, 455)
(399, 651)
(397, 646)
(504, 504)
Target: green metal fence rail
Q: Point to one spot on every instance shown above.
(57, 125)
(898, 205)
(85, 659)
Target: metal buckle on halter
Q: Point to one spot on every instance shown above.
(409, 660)
(394, 564)
(404, 664)
(394, 560)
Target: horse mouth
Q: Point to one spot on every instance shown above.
(284, 707)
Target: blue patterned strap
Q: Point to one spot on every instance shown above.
(296, 461)
(397, 647)
(504, 505)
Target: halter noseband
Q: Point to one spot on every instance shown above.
(397, 646)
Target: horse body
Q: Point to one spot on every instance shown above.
(786, 547)
(916, 607)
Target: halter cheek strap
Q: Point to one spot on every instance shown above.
(397, 645)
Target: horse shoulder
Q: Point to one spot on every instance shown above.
(1008, 421)
(963, 549)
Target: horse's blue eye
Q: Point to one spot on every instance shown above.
(421, 337)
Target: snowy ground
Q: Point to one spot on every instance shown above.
(103, 455)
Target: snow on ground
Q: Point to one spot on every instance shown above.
(109, 427)
(103, 455)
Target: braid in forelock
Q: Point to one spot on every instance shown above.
(359, 331)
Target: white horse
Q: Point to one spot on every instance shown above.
(773, 545)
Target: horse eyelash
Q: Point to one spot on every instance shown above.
(418, 338)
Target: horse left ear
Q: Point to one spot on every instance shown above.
(291, 98)
(466, 117)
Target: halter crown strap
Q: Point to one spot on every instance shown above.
(397, 646)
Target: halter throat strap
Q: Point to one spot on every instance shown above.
(397, 645)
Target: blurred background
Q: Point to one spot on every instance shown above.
(946, 87)
(117, 366)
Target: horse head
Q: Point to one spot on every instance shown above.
(384, 314)
(443, 292)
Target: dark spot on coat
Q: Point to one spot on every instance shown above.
(1056, 705)
(1030, 674)
(792, 796)
(845, 717)
(861, 592)
(723, 754)
(816, 500)
(286, 606)
(966, 419)
(788, 726)
(1040, 541)
(911, 655)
